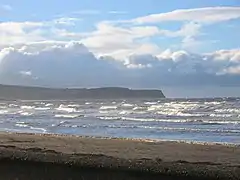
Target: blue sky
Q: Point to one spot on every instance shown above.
(180, 43)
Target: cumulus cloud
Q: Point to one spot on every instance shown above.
(72, 64)
(51, 53)
(20, 32)
(53, 63)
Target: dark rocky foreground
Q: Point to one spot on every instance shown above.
(29, 156)
(10, 92)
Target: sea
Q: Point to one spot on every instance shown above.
(211, 120)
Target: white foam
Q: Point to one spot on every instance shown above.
(176, 113)
(3, 107)
(229, 110)
(73, 105)
(13, 105)
(190, 129)
(49, 104)
(138, 108)
(103, 112)
(27, 107)
(23, 113)
(150, 103)
(42, 108)
(71, 116)
(38, 129)
(213, 103)
(4, 111)
(108, 107)
(221, 115)
(66, 108)
(124, 112)
(21, 125)
(127, 105)
(155, 107)
(109, 118)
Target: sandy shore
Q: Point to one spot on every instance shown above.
(72, 157)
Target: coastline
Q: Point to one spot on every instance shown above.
(152, 158)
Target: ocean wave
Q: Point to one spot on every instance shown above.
(27, 107)
(36, 129)
(88, 103)
(200, 122)
(42, 108)
(179, 114)
(182, 129)
(66, 108)
(12, 105)
(139, 108)
(109, 118)
(150, 103)
(125, 112)
(221, 115)
(73, 105)
(24, 113)
(229, 110)
(4, 111)
(71, 116)
(21, 125)
(108, 107)
(127, 105)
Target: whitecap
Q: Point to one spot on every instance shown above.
(21, 125)
(66, 108)
(127, 105)
(42, 108)
(108, 107)
(26, 113)
(103, 112)
(4, 111)
(13, 105)
(109, 118)
(221, 115)
(125, 112)
(73, 105)
(27, 107)
(150, 103)
(71, 116)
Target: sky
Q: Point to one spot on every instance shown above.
(187, 48)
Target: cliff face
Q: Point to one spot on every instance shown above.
(9, 92)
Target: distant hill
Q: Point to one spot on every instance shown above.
(12, 92)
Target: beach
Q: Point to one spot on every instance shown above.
(69, 157)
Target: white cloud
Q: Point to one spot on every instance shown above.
(120, 42)
(72, 64)
(117, 12)
(201, 15)
(20, 32)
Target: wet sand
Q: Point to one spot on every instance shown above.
(36, 156)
